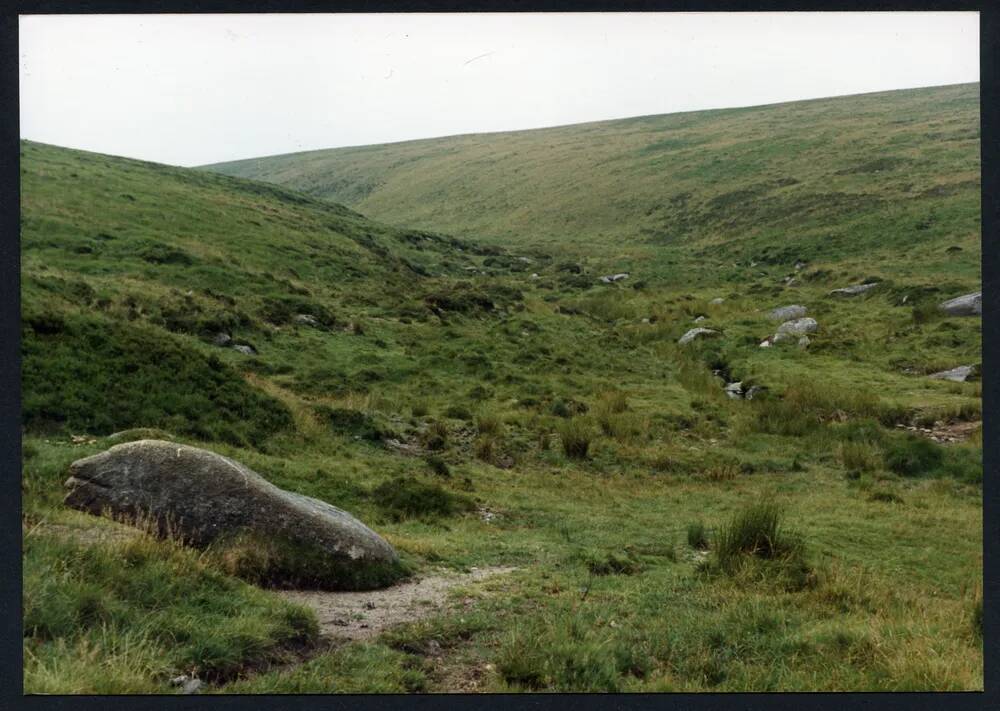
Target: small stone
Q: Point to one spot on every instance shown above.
(192, 686)
(716, 301)
(222, 339)
(787, 313)
(804, 342)
(245, 349)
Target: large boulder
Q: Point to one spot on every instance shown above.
(967, 305)
(787, 313)
(206, 499)
(696, 333)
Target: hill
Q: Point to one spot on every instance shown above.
(827, 179)
(499, 406)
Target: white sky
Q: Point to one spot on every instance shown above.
(194, 89)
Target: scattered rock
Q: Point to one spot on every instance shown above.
(611, 278)
(534, 276)
(716, 301)
(201, 496)
(222, 339)
(734, 390)
(245, 349)
(798, 327)
(800, 265)
(967, 305)
(192, 686)
(854, 290)
(958, 375)
(804, 342)
(645, 320)
(787, 313)
(526, 260)
(696, 333)
(306, 320)
(699, 319)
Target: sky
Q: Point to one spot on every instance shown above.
(196, 89)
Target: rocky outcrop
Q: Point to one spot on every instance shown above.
(967, 305)
(204, 498)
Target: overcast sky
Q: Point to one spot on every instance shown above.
(194, 89)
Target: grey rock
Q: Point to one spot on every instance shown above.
(192, 686)
(967, 305)
(222, 339)
(958, 375)
(787, 313)
(306, 320)
(767, 342)
(245, 349)
(696, 333)
(611, 278)
(854, 290)
(799, 265)
(201, 496)
(699, 319)
(798, 327)
(717, 300)
(804, 342)
(734, 390)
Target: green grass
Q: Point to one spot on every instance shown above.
(476, 416)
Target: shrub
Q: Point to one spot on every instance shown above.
(697, 535)
(575, 435)
(913, 455)
(485, 448)
(419, 409)
(404, 497)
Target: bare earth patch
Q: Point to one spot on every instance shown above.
(945, 433)
(363, 615)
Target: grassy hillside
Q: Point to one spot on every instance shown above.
(865, 176)
(483, 404)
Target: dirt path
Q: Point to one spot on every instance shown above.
(362, 615)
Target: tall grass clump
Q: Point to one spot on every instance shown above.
(755, 544)
(575, 435)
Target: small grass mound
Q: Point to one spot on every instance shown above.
(613, 563)
(404, 497)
